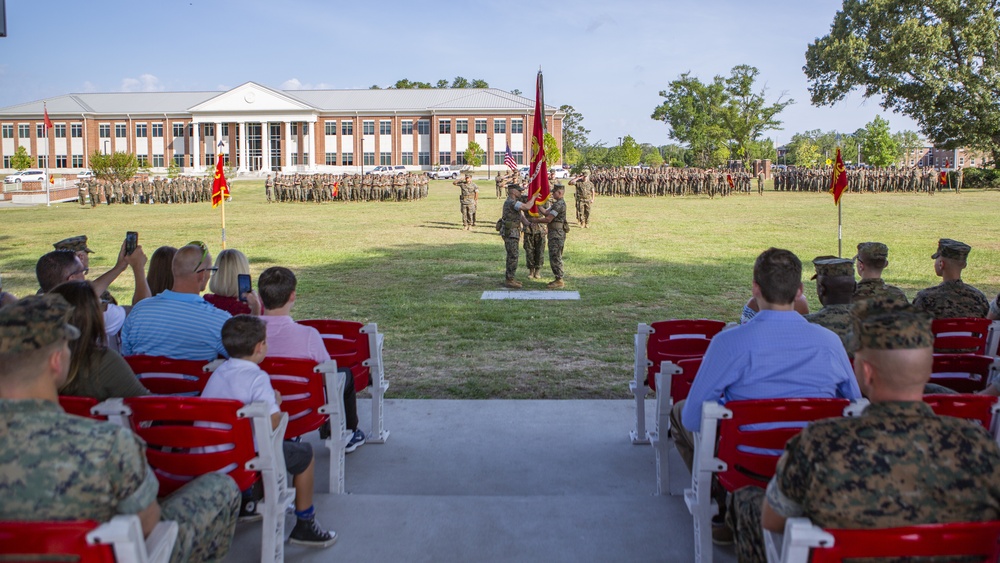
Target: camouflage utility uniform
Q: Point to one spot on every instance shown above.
(557, 236)
(467, 200)
(62, 467)
(952, 300)
(534, 248)
(868, 288)
(836, 318)
(510, 230)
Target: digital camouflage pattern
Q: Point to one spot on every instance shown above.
(76, 244)
(510, 230)
(557, 237)
(876, 287)
(953, 249)
(33, 323)
(833, 267)
(872, 253)
(836, 318)
(884, 323)
(952, 300)
(57, 466)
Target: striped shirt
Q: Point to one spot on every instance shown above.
(181, 326)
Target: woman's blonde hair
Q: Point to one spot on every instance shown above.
(230, 263)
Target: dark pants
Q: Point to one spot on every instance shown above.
(350, 399)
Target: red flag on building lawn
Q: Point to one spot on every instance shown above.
(48, 122)
(838, 180)
(220, 189)
(538, 174)
(943, 178)
(336, 190)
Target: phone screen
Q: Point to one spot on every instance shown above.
(131, 240)
(243, 280)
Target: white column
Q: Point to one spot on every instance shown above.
(265, 133)
(244, 153)
(286, 132)
(308, 141)
(196, 146)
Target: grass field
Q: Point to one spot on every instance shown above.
(412, 269)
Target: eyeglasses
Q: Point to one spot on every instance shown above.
(83, 272)
(204, 253)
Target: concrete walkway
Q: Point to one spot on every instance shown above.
(497, 481)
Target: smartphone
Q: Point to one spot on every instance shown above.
(131, 240)
(243, 281)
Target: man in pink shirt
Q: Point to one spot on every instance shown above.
(288, 339)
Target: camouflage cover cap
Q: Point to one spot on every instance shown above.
(872, 252)
(886, 323)
(76, 244)
(822, 268)
(513, 186)
(948, 248)
(35, 322)
(558, 186)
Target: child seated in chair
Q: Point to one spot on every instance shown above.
(240, 378)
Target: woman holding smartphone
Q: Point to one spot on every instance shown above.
(225, 283)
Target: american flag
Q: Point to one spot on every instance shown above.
(508, 159)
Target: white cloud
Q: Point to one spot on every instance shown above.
(145, 83)
(89, 86)
(296, 84)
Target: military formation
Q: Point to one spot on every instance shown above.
(144, 191)
(666, 181)
(319, 188)
(867, 180)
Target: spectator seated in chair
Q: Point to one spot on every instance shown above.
(224, 284)
(240, 378)
(63, 467)
(952, 298)
(158, 275)
(288, 339)
(898, 464)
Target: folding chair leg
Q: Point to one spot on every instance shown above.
(639, 435)
(379, 434)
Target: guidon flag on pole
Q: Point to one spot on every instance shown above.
(220, 189)
(48, 122)
(538, 174)
(838, 179)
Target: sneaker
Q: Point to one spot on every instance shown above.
(556, 284)
(308, 533)
(721, 534)
(357, 440)
(250, 501)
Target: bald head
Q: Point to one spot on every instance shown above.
(190, 269)
(893, 375)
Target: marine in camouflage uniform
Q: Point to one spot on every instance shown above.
(584, 196)
(952, 299)
(534, 246)
(63, 467)
(468, 196)
(558, 225)
(269, 187)
(871, 259)
(510, 230)
(865, 472)
(835, 287)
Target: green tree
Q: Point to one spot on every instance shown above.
(615, 156)
(21, 160)
(571, 156)
(674, 155)
(479, 83)
(631, 151)
(907, 142)
(441, 83)
(474, 155)
(573, 132)
(552, 155)
(173, 170)
(935, 61)
(406, 84)
(516, 92)
(878, 147)
(652, 158)
(374, 87)
(100, 165)
(123, 166)
(806, 153)
(460, 82)
(747, 114)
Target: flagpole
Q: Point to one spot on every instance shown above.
(223, 223)
(840, 230)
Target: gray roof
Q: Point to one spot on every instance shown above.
(154, 103)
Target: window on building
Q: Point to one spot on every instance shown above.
(368, 127)
(385, 158)
(384, 127)
(444, 157)
(295, 159)
(330, 159)
(179, 160)
(60, 131)
(424, 127)
(499, 125)
(347, 128)
(406, 127)
(517, 126)
(120, 131)
(462, 126)
(142, 160)
(424, 158)
(460, 159)
(369, 158)
(347, 159)
(157, 161)
(330, 128)
(210, 159)
(972, 162)
(178, 129)
(140, 129)
(208, 129)
(961, 161)
(8, 131)
(24, 131)
(498, 157)
(61, 161)
(43, 161)
(77, 161)
(40, 130)
(407, 159)
(6, 161)
(157, 130)
(225, 129)
(76, 130)
(518, 156)
(444, 126)
(480, 126)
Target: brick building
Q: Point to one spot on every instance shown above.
(262, 128)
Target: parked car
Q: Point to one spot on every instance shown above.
(559, 172)
(443, 173)
(524, 170)
(378, 171)
(398, 170)
(29, 175)
(85, 174)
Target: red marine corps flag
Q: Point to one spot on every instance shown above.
(538, 174)
(48, 122)
(220, 189)
(838, 180)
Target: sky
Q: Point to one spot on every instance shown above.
(609, 60)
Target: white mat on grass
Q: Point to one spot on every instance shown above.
(529, 294)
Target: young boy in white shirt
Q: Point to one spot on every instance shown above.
(245, 340)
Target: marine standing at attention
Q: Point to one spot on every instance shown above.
(584, 197)
(510, 229)
(556, 218)
(468, 197)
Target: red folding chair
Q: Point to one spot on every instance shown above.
(359, 348)
(660, 342)
(964, 373)
(86, 541)
(964, 336)
(805, 542)
(166, 376)
(190, 436)
(983, 409)
(740, 443)
(80, 406)
(313, 394)
(677, 377)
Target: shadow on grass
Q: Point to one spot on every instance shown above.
(443, 341)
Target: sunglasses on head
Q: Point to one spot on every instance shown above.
(204, 253)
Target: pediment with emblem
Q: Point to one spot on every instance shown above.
(252, 97)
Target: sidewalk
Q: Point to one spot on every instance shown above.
(497, 481)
